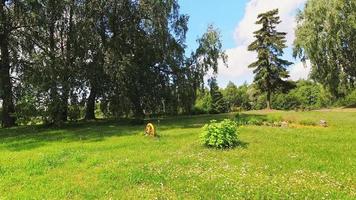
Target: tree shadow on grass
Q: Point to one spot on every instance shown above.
(242, 145)
(199, 121)
(31, 137)
(351, 106)
(245, 119)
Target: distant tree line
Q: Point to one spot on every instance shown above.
(305, 95)
(60, 58)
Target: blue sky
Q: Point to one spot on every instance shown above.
(224, 14)
(235, 20)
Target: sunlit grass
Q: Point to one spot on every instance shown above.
(110, 160)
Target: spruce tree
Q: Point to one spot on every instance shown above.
(218, 103)
(270, 69)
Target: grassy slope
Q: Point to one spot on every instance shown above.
(104, 160)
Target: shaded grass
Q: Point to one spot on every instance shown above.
(102, 160)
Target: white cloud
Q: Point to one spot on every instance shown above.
(300, 71)
(238, 60)
(287, 10)
(239, 57)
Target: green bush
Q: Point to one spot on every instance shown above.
(306, 96)
(220, 134)
(350, 99)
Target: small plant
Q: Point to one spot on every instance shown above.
(220, 134)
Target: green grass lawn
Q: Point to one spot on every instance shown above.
(104, 160)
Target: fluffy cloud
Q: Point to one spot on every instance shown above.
(300, 70)
(238, 60)
(239, 57)
(287, 10)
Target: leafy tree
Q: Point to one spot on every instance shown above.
(209, 53)
(206, 58)
(92, 48)
(51, 50)
(237, 97)
(230, 94)
(203, 102)
(270, 70)
(127, 55)
(15, 19)
(8, 25)
(257, 99)
(326, 37)
(243, 100)
(306, 95)
(350, 100)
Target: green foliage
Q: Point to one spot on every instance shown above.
(209, 52)
(203, 103)
(237, 97)
(211, 101)
(218, 104)
(270, 70)
(326, 37)
(27, 110)
(74, 112)
(285, 101)
(307, 95)
(350, 100)
(83, 50)
(220, 134)
(304, 95)
(207, 57)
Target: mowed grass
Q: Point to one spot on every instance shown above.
(104, 160)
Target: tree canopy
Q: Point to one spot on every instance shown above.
(326, 37)
(60, 57)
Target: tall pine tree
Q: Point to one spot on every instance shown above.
(270, 69)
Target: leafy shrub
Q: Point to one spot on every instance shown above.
(285, 101)
(350, 99)
(220, 134)
(306, 96)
